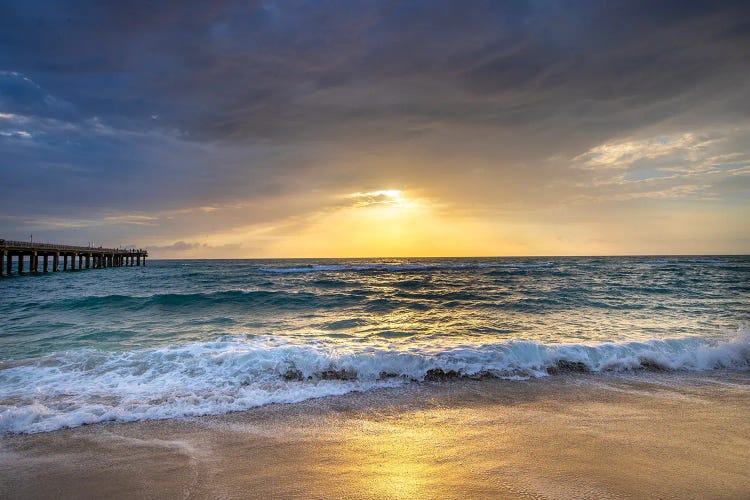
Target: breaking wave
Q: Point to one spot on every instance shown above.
(86, 386)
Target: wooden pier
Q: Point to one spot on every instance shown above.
(43, 256)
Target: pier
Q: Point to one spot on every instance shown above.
(45, 257)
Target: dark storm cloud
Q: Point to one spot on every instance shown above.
(139, 106)
(243, 70)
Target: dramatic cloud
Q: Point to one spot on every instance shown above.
(360, 127)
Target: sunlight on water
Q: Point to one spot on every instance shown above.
(394, 464)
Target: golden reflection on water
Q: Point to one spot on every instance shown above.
(410, 457)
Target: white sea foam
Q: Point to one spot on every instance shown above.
(86, 386)
(404, 267)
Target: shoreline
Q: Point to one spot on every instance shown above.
(664, 435)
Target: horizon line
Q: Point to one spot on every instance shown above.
(463, 256)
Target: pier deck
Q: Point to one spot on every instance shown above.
(41, 255)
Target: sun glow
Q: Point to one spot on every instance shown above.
(391, 193)
(392, 223)
(383, 197)
(377, 223)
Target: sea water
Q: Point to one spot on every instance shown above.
(185, 338)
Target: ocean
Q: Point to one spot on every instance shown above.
(199, 337)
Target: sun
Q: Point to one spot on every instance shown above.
(383, 198)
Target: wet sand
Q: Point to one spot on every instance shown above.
(583, 436)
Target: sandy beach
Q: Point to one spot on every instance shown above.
(580, 436)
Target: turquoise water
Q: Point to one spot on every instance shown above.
(182, 338)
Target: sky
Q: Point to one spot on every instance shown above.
(230, 129)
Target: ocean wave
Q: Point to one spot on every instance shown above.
(87, 386)
(402, 267)
(260, 298)
(684, 260)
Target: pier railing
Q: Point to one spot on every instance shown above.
(70, 248)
